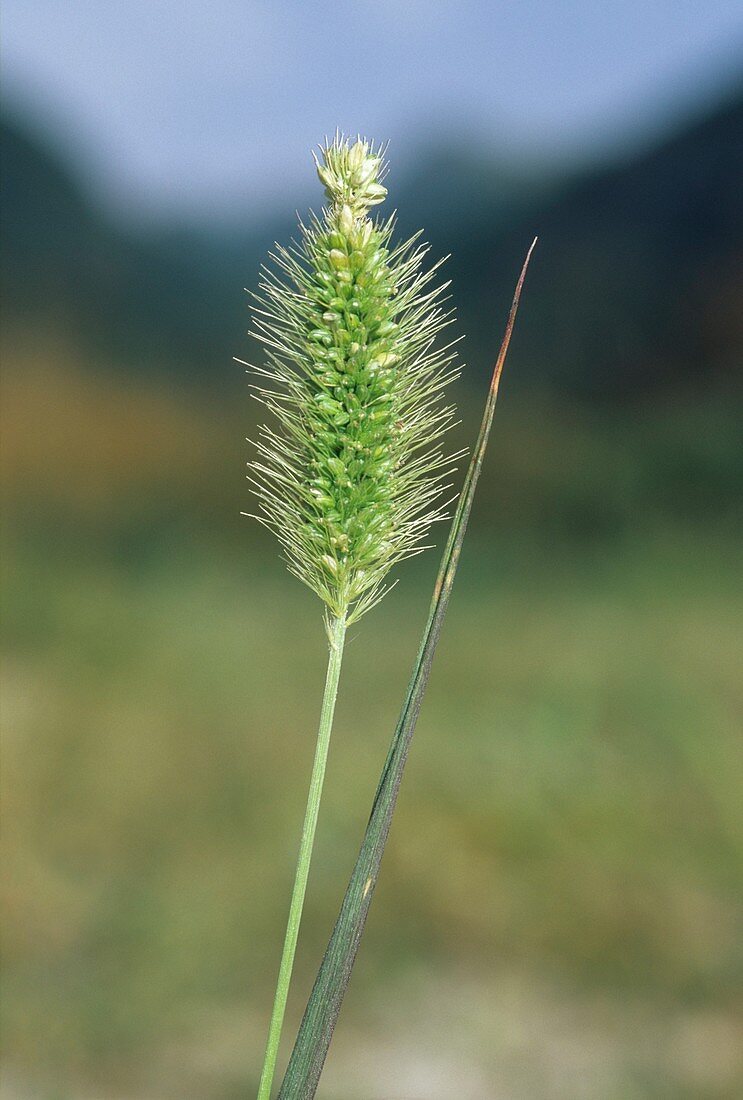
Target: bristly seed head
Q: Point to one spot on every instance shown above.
(350, 476)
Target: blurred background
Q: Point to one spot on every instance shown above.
(556, 917)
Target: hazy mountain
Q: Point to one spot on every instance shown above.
(140, 299)
(635, 287)
(637, 280)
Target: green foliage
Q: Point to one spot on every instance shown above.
(351, 477)
(323, 1007)
(595, 822)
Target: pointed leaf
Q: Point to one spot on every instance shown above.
(321, 1014)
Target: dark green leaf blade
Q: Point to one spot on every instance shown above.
(321, 1014)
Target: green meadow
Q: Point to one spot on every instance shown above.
(557, 913)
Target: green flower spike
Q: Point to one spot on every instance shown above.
(350, 475)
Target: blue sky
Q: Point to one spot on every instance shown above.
(210, 107)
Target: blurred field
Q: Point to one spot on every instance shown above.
(556, 917)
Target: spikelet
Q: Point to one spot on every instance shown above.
(351, 473)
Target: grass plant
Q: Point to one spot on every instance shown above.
(350, 474)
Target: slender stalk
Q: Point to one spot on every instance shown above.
(337, 634)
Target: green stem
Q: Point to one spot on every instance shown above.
(337, 635)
